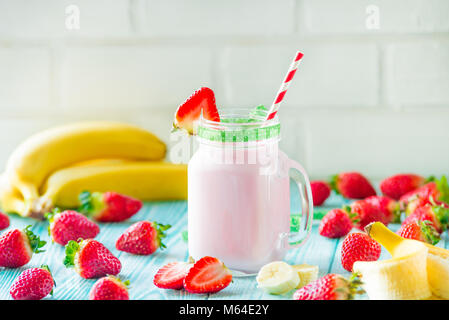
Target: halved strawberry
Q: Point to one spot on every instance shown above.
(189, 112)
(172, 275)
(208, 275)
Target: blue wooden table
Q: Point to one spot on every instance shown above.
(140, 269)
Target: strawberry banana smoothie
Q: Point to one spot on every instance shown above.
(239, 193)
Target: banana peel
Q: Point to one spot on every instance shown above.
(437, 259)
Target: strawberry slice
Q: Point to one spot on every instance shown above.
(189, 112)
(171, 276)
(208, 275)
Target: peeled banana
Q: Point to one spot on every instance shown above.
(42, 154)
(399, 278)
(306, 273)
(277, 277)
(437, 259)
(144, 180)
(438, 271)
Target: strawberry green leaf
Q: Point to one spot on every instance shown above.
(432, 236)
(35, 242)
(333, 183)
(50, 216)
(160, 229)
(85, 199)
(442, 214)
(71, 249)
(443, 187)
(46, 267)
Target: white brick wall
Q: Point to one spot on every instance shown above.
(37, 19)
(24, 79)
(230, 17)
(369, 100)
(125, 78)
(396, 16)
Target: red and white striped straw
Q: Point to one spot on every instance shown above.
(284, 87)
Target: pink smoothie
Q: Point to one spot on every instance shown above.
(239, 213)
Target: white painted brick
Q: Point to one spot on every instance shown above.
(330, 75)
(24, 79)
(124, 78)
(418, 73)
(13, 131)
(46, 19)
(231, 17)
(398, 16)
(378, 144)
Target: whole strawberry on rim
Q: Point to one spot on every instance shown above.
(189, 112)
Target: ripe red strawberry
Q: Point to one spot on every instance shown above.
(172, 275)
(352, 185)
(438, 190)
(108, 206)
(17, 247)
(109, 288)
(421, 202)
(70, 225)
(202, 100)
(358, 246)
(33, 284)
(365, 212)
(91, 259)
(208, 275)
(330, 287)
(437, 215)
(320, 192)
(4, 221)
(335, 224)
(398, 185)
(389, 207)
(419, 230)
(142, 238)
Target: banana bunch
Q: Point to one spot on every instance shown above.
(416, 270)
(52, 167)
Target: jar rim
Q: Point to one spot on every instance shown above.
(237, 125)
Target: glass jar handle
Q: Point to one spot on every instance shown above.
(296, 239)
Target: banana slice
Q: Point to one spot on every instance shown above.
(306, 273)
(277, 277)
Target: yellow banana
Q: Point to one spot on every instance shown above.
(399, 278)
(45, 152)
(437, 258)
(144, 180)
